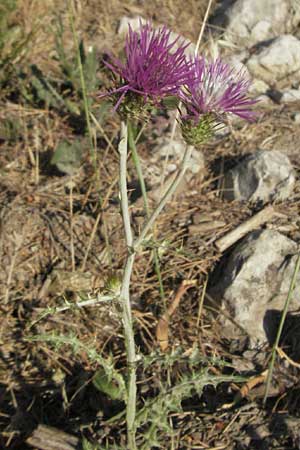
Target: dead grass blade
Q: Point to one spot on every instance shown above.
(246, 388)
(162, 329)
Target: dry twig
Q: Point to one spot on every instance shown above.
(254, 222)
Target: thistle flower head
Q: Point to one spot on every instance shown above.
(155, 66)
(215, 91)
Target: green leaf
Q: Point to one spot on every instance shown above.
(108, 385)
(87, 445)
(67, 156)
(44, 90)
(90, 69)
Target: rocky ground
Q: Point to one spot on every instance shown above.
(228, 242)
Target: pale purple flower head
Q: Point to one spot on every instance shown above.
(217, 89)
(155, 65)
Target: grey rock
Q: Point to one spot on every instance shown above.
(262, 176)
(253, 21)
(254, 285)
(263, 99)
(276, 61)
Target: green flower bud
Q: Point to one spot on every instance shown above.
(197, 134)
(113, 285)
(134, 107)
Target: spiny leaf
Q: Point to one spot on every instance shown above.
(108, 385)
(87, 445)
(106, 363)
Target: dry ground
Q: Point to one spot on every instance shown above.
(52, 223)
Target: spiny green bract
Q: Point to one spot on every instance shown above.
(198, 133)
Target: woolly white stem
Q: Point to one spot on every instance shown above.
(132, 248)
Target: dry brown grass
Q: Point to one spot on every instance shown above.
(97, 22)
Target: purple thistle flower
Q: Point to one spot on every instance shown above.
(216, 89)
(155, 66)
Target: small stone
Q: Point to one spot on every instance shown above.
(259, 432)
(239, 57)
(296, 118)
(242, 365)
(255, 282)
(290, 95)
(172, 151)
(258, 87)
(261, 177)
(277, 61)
(200, 217)
(171, 167)
(134, 22)
(263, 100)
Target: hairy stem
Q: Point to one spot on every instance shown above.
(125, 295)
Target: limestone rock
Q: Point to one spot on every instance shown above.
(278, 60)
(253, 21)
(254, 285)
(263, 176)
(134, 22)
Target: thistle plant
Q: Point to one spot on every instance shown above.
(156, 67)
